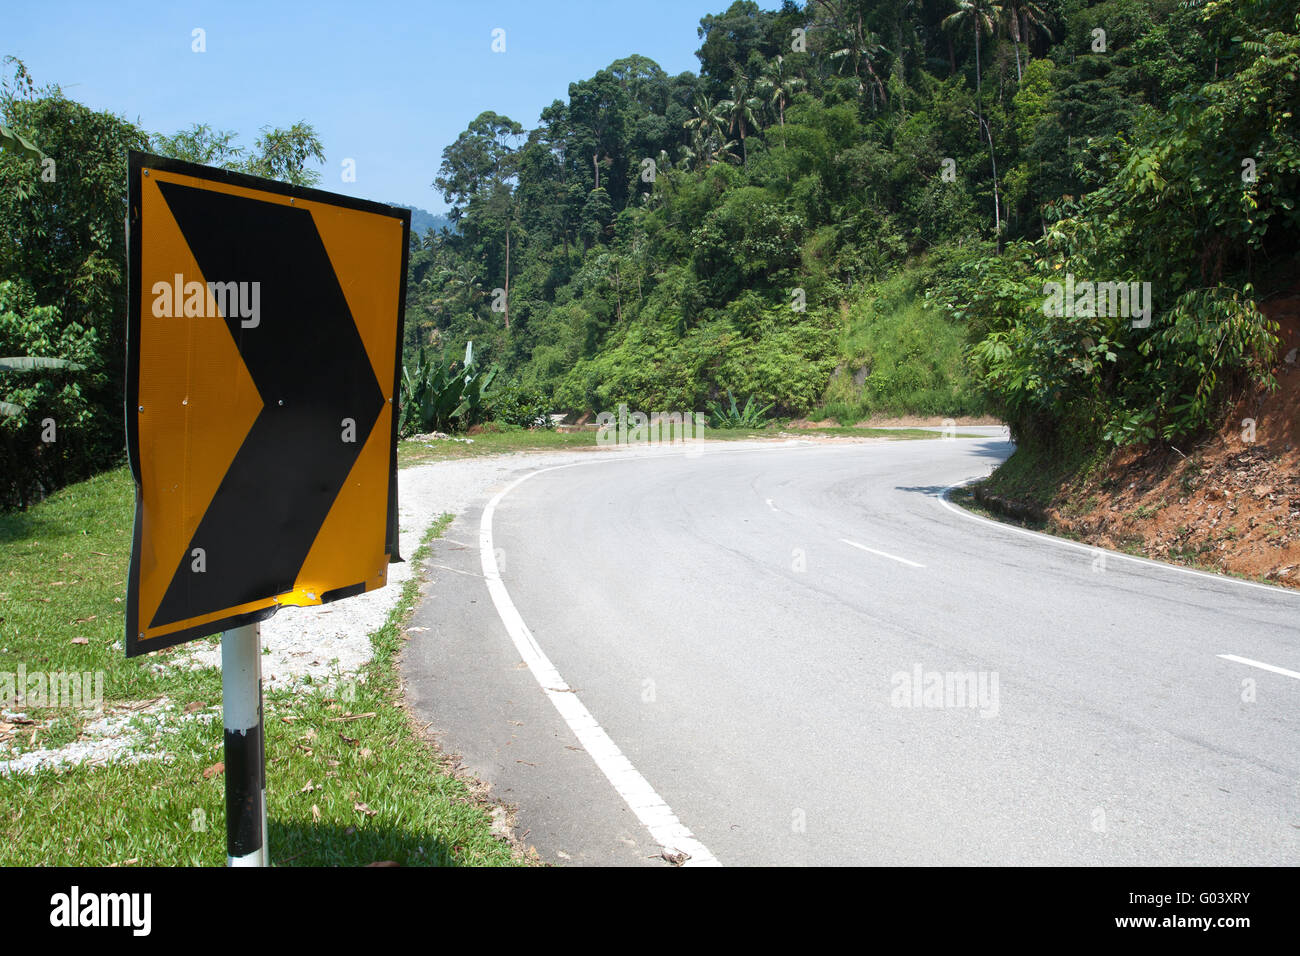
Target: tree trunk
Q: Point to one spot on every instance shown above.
(784, 147)
(1015, 44)
(618, 296)
(507, 274)
(997, 201)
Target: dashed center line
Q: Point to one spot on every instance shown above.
(1261, 665)
(883, 554)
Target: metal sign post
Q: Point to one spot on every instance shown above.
(241, 708)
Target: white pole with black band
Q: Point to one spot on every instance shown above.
(241, 696)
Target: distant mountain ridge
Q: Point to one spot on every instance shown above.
(422, 220)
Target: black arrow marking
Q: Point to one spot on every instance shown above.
(305, 353)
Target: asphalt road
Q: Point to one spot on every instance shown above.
(806, 656)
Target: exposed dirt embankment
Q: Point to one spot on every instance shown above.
(1231, 502)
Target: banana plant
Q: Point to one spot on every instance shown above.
(27, 364)
(437, 397)
(14, 142)
(9, 139)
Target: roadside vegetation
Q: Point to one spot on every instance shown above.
(869, 222)
(353, 783)
(900, 356)
(851, 209)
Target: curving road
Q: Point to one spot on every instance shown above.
(801, 654)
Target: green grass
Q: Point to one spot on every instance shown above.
(492, 443)
(1036, 475)
(167, 812)
(911, 357)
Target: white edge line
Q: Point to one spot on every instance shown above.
(1094, 549)
(1261, 665)
(891, 557)
(641, 798)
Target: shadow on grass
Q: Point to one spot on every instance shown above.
(296, 844)
(18, 525)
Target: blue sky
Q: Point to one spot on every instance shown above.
(386, 84)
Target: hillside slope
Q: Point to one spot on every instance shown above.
(1230, 503)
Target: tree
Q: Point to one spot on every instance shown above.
(597, 213)
(481, 158)
(45, 417)
(739, 111)
(11, 140)
(64, 242)
(30, 363)
(1019, 16)
(860, 45)
(283, 154)
(201, 144)
(779, 85)
(981, 15)
(732, 39)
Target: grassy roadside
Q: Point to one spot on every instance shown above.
(350, 782)
(898, 355)
(413, 452)
(1036, 477)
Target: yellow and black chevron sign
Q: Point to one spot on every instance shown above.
(263, 354)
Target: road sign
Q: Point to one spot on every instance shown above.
(264, 335)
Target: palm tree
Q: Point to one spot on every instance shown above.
(981, 15)
(865, 50)
(718, 151)
(463, 284)
(704, 151)
(706, 118)
(739, 111)
(779, 86)
(1020, 16)
(861, 46)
